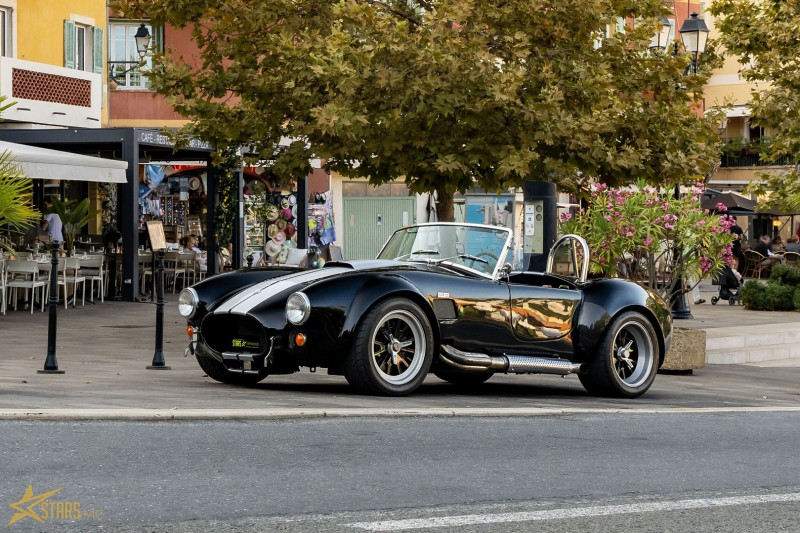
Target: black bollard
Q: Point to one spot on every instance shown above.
(51, 363)
(250, 260)
(158, 356)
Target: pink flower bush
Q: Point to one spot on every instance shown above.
(649, 235)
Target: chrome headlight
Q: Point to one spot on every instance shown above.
(187, 302)
(297, 308)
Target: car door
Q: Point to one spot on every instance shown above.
(541, 313)
(473, 313)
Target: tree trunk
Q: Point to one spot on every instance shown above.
(444, 205)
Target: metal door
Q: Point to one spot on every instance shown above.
(368, 222)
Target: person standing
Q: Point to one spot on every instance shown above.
(51, 223)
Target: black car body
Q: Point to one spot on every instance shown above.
(440, 298)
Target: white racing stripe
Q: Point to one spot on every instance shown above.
(249, 298)
(578, 512)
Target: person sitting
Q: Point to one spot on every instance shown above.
(777, 245)
(793, 244)
(763, 247)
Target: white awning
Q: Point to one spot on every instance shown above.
(42, 163)
(737, 111)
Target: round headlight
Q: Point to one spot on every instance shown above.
(187, 302)
(297, 308)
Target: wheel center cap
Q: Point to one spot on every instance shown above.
(396, 346)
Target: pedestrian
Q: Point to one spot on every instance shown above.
(51, 223)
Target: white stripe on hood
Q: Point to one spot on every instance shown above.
(251, 297)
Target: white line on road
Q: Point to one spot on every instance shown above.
(177, 413)
(579, 512)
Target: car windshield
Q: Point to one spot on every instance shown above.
(477, 248)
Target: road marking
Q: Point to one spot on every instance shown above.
(360, 412)
(579, 512)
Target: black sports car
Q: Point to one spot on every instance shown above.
(439, 298)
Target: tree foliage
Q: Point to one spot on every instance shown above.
(763, 34)
(446, 95)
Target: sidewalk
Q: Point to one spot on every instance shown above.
(104, 349)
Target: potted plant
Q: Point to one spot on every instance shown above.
(74, 216)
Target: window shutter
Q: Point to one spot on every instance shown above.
(97, 53)
(158, 37)
(69, 44)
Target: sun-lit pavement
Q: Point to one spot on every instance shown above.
(104, 349)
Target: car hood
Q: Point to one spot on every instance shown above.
(255, 295)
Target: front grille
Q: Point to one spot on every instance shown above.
(234, 333)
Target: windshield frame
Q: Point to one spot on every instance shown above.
(501, 260)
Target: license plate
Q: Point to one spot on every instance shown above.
(244, 343)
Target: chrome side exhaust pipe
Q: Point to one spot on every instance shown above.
(510, 364)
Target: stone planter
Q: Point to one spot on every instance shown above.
(688, 350)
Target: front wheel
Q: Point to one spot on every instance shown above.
(627, 359)
(392, 351)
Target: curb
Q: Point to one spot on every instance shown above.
(152, 415)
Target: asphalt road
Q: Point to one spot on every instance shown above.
(681, 471)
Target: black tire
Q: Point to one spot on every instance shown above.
(392, 351)
(714, 300)
(732, 301)
(626, 362)
(463, 379)
(217, 371)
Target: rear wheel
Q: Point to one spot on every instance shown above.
(217, 371)
(392, 351)
(627, 359)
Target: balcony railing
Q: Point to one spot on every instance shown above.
(49, 94)
(754, 160)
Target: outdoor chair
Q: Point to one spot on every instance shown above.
(3, 286)
(25, 275)
(145, 270)
(756, 266)
(791, 258)
(173, 267)
(188, 260)
(92, 270)
(69, 270)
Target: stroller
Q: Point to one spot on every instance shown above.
(729, 286)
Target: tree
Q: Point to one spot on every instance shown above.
(763, 34)
(16, 212)
(447, 95)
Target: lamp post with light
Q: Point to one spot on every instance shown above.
(694, 35)
(142, 39)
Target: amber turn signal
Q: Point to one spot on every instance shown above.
(300, 339)
(189, 331)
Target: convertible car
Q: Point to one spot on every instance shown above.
(439, 298)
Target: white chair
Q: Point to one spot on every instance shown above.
(188, 260)
(69, 269)
(92, 271)
(145, 270)
(25, 275)
(173, 267)
(3, 286)
(296, 257)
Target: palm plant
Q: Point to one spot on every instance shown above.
(16, 211)
(74, 215)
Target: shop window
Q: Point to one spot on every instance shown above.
(6, 31)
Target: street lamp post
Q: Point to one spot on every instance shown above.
(694, 35)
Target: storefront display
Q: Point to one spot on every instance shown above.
(270, 221)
